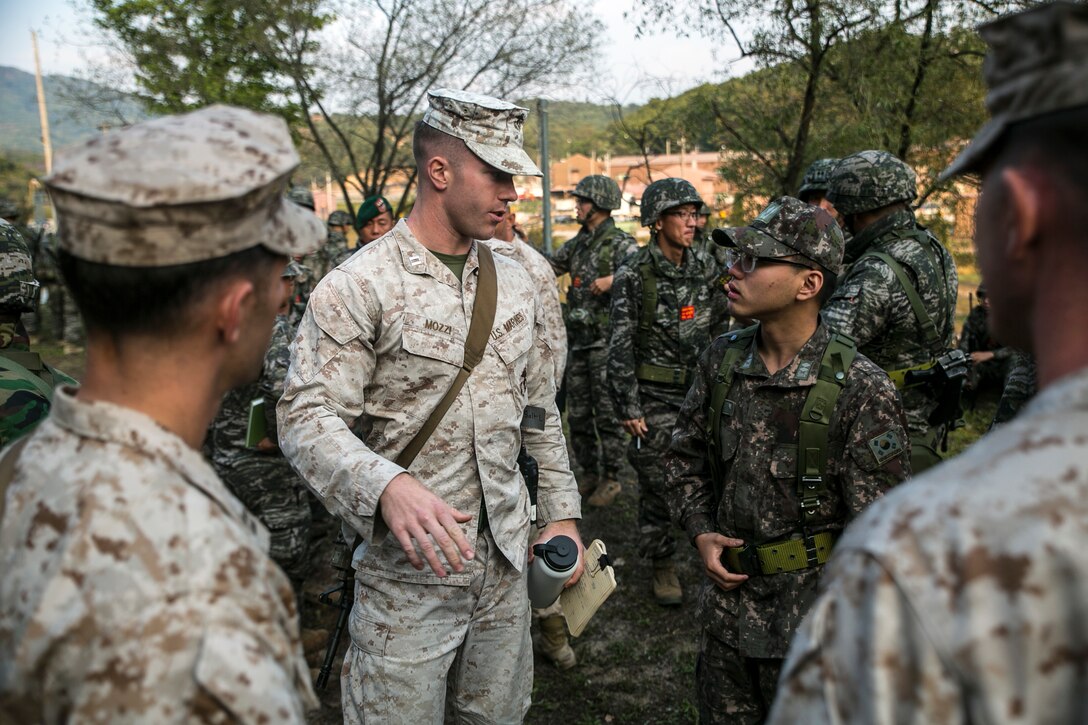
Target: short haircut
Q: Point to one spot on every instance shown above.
(428, 142)
(155, 300)
(1058, 142)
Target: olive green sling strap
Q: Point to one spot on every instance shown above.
(479, 331)
(929, 329)
(21, 364)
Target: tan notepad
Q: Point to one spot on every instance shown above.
(581, 601)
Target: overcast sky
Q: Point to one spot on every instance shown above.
(671, 63)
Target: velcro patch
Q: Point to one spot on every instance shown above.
(533, 418)
(687, 312)
(886, 446)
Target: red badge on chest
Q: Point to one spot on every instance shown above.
(687, 313)
(576, 282)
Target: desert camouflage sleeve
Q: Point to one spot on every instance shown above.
(864, 655)
(332, 359)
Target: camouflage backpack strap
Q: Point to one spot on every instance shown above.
(815, 421)
(719, 394)
(21, 363)
(929, 330)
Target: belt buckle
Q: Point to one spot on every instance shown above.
(748, 557)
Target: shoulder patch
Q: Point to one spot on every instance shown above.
(886, 446)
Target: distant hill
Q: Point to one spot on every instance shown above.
(77, 109)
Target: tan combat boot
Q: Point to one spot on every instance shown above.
(667, 590)
(553, 642)
(587, 483)
(605, 493)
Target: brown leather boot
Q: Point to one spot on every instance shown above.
(553, 642)
(605, 493)
(587, 483)
(667, 591)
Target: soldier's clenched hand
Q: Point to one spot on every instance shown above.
(412, 512)
(601, 285)
(711, 546)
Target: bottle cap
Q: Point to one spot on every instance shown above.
(559, 552)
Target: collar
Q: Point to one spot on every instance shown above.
(801, 371)
(1066, 394)
(600, 231)
(417, 259)
(142, 435)
(902, 219)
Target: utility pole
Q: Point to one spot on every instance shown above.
(46, 143)
(546, 180)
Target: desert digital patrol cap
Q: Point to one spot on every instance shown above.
(182, 189)
(789, 227)
(1037, 64)
(490, 127)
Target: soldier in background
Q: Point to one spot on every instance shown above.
(786, 434)
(553, 642)
(667, 305)
(990, 360)
(258, 475)
(336, 248)
(592, 257)
(55, 319)
(1020, 387)
(962, 596)
(26, 383)
(702, 242)
(814, 184)
(373, 218)
(311, 266)
(441, 613)
(898, 298)
(136, 587)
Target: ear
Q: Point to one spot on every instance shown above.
(812, 282)
(439, 172)
(1024, 212)
(236, 299)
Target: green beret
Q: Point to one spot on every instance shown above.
(371, 207)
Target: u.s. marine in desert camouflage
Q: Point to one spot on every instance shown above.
(136, 588)
(382, 340)
(962, 596)
(748, 612)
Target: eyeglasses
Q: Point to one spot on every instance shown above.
(682, 215)
(747, 262)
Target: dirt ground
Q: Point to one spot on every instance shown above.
(636, 660)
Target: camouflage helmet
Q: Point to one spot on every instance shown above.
(816, 178)
(870, 180)
(340, 218)
(301, 195)
(18, 288)
(601, 190)
(8, 208)
(664, 194)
